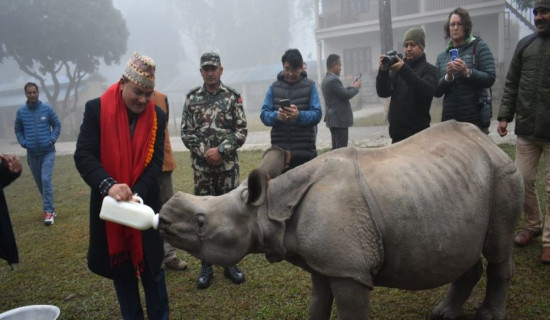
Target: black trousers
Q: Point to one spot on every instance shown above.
(339, 137)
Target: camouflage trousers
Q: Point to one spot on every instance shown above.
(215, 183)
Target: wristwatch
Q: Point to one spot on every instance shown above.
(220, 148)
(469, 73)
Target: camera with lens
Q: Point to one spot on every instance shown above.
(485, 105)
(391, 58)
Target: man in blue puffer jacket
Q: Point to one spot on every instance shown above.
(294, 127)
(37, 128)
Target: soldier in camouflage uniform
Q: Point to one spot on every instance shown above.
(213, 128)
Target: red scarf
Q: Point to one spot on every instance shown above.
(125, 159)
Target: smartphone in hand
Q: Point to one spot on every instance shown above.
(358, 77)
(454, 54)
(285, 103)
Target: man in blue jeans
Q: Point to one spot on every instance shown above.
(37, 128)
(293, 127)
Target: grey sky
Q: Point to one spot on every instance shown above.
(155, 30)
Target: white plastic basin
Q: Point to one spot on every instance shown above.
(34, 312)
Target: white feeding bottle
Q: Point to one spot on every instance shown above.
(129, 213)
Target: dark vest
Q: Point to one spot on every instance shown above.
(300, 140)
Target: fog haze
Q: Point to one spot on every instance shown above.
(175, 33)
(71, 38)
(167, 31)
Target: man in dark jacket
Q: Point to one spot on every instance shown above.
(411, 83)
(527, 97)
(293, 127)
(119, 153)
(338, 116)
(37, 128)
(10, 169)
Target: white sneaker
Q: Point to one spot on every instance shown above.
(48, 219)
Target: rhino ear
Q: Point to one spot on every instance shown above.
(257, 187)
(274, 161)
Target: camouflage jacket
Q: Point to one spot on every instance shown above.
(213, 120)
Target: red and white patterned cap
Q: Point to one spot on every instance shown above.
(141, 71)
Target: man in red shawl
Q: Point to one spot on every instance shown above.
(119, 152)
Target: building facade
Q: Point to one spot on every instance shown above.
(350, 28)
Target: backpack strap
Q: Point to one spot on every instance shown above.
(475, 64)
(474, 54)
(524, 43)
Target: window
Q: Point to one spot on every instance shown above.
(355, 6)
(357, 60)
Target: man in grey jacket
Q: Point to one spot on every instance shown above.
(339, 116)
(526, 97)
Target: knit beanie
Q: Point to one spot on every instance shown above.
(542, 4)
(417, 35)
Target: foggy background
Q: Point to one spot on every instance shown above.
(86, 45)
(246, 33)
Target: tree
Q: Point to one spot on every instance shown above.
(61, 38)
(386, 29)
(524, 4)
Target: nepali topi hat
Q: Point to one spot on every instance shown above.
(141, 71)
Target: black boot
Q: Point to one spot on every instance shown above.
(205, 276)
(234, 274)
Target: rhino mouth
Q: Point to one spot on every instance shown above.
(165, 226)
(179, 235)
(166, 231)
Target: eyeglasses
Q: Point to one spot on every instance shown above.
(454, 25)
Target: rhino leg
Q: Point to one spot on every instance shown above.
(352, 298)
(458, 293)
(498, 280)
(321, 297)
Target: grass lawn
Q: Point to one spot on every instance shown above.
(53, 267)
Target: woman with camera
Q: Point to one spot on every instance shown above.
(467, 69)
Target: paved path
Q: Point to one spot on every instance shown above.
(371, 136)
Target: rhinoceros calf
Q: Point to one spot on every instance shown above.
(414, 215)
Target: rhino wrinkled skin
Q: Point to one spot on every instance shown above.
(414, 215)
